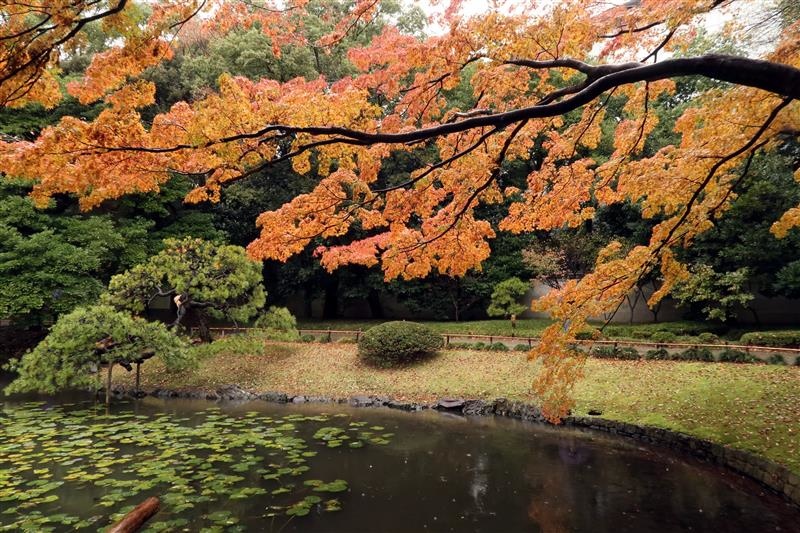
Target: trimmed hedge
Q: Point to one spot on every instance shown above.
(780, 339)
(695, 354)
(614, 352)
(397, 343)
(663, 336)
(776, 359)
(498, 347)
(729, 355)
(659, 354)
(588, 333)
(708, 338)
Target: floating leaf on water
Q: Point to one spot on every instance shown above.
(332, 505)
(338, 485)
(187, 460)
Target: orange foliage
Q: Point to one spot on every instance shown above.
(525, 60)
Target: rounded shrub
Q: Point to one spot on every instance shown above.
(307, 338)
(479, 346)
(729, 355)
(615, 352)
(278, 324)
(459, 346)
(659, 354)
(498, 347)
(603, 352)
(522, 348)
(776, 359)
(695, 354)
(588, 333)
(663, 336)
(397, 343)
(708, 338)
(627, 353)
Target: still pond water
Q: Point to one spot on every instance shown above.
(263, 467)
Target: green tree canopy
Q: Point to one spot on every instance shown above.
(91, 336)
(202, 278)
(506, 296)
(50, 262)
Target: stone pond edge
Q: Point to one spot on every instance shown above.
(775, 477)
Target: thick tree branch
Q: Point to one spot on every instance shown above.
(777, 78)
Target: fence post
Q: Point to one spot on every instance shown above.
(530, 343)
(491, 339)
(329, 336)
(447, 341)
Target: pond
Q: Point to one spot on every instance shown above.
(266, 467)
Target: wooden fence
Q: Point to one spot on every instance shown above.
(331, 335)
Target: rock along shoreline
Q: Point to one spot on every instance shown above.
(775, 477)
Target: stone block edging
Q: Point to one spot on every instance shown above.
(777, 478)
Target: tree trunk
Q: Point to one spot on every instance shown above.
(632, 303)
(454, 294)
(202, 328)
(138, 377)
(98, 380)
(308, 301)
(656, 308)
(331, 308)
(755, 314)
(108, 382)
(375, 306)
(134, 520)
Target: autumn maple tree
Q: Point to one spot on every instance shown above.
(540, 76)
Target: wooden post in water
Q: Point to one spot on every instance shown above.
(134, 520)
(108, 382)
(138, 376)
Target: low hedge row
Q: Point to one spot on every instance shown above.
(779, 339)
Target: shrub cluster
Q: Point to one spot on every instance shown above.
(708, 338)
(776, 359)
(646, 331)
(781, 339)
(659, 354)
(614, 352)
(588, 333)
(663, 336)
(241, 344)
(397, 343)
(694, 353)
(729, 355)
(278, 324)
(480, 346)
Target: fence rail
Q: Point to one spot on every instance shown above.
(449, 338)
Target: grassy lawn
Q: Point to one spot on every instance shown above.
(752, 407)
